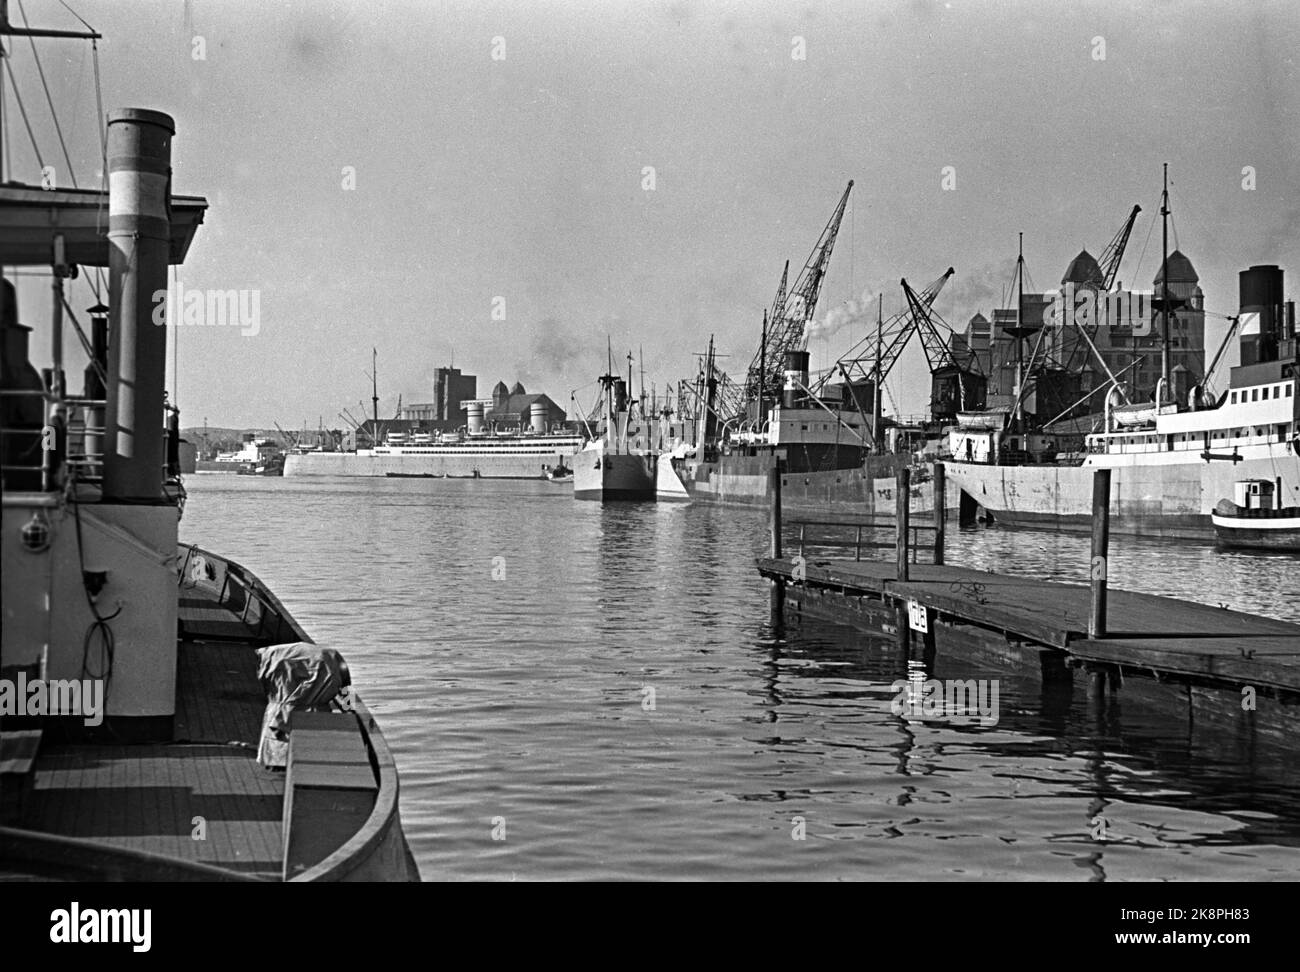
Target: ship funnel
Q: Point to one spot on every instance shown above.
(1261, 313)
(139, 240)
(538, 415)
(796, 376)
(474, 416)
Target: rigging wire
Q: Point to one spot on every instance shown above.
(100, 123)
(7, 165)
(75, 14)
(1142, 256)
(22, 109)
(49, 99)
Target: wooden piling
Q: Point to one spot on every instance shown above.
(776, 602)
(776, 606)
(1099, 562)
(903, 486)
(940, 510)
(775, 519)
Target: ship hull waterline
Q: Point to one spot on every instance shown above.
(602, 476)
(1167, 500)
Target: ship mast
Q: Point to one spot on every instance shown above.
(762, 377)
(374, 386)
(1164, 282)
(1020, 336)
(876, 435)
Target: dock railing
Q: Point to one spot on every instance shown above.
(907, 535)
(860, 532)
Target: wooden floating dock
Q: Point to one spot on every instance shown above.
(1111, 633)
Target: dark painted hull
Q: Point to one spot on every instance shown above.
(1258, 532)
(867, 487)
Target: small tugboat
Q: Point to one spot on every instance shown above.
(1252, 519)
(559, 473)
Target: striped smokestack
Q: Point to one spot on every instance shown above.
(139, 238)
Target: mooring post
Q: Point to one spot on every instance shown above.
(902, 506)
(940, 510)
(776, 606)
(775, 490)
(1100, 552)
(776, 602)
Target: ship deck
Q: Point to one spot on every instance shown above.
(201, 806)
(148, 797)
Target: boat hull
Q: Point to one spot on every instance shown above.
(614, 476)
(866, 488)
(482, 466)
(1169, 499)
(1258, 533)
(669, 487)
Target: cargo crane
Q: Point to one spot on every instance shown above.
(957, 384)
(791, 311)
(869, 362)
(1111, 258)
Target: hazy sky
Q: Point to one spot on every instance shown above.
(522, 177)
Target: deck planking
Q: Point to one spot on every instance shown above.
(146, 797)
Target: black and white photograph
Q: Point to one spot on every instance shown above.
(647, 441)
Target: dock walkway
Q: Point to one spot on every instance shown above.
(1091, 626)
(1162, 635)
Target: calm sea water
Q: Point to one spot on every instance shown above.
(575, 691)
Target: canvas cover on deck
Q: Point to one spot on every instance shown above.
(296, 676)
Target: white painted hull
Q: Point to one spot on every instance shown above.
(669, 487)
(451, 465)
(613, 476)
(1171, 497)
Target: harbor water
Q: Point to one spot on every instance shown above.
(577, 691)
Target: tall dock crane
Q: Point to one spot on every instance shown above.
(957, 385)
(1111, 257)
(787, 321)
(868, 363)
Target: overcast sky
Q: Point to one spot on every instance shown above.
(522, 177)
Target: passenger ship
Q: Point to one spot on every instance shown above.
(460, 455)
(1170, 467)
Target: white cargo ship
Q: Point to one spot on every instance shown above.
(1170, 466)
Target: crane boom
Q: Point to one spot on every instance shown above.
(1114, 252)
(861, 362)
(937, 346)
(791, 312)
(1071, 348)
